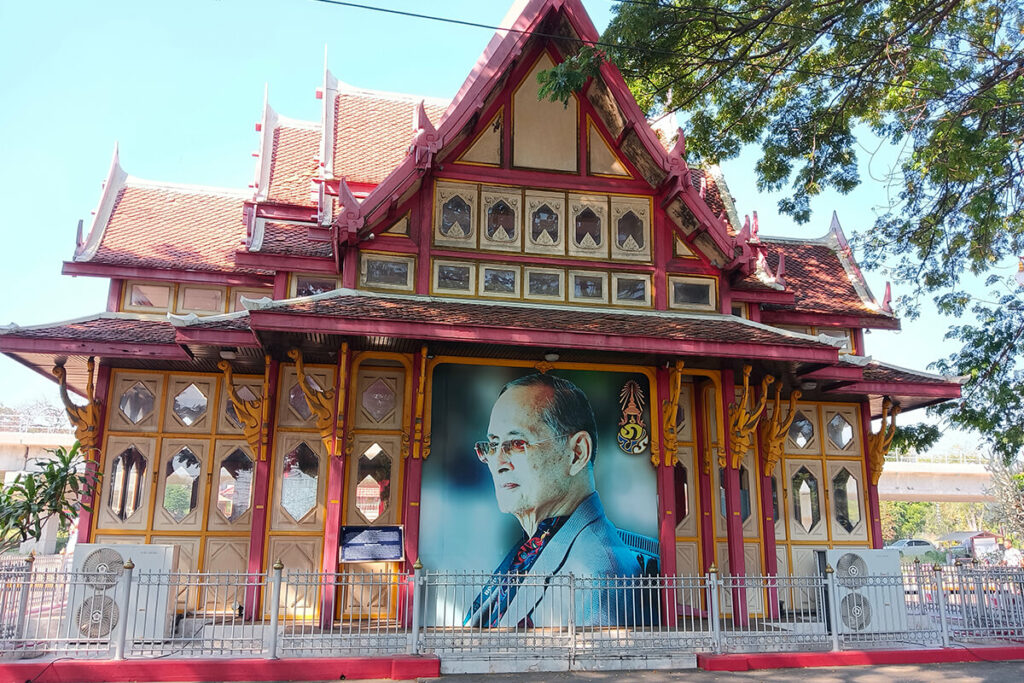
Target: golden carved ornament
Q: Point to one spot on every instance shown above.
(880, 441)
(669, 411)
(743, 421)
(773, 431)
(343, 373)
(85, 419)
(320, 402)
(543, 367)
(706, 447)
(421, 397)
(249, 413)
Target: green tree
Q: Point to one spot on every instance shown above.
(942, 80)
(903, 519)
(55, 490)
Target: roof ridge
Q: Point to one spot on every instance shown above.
(288, 122)
(102, 315)
(188, 319)
(349, 89)
(186, 188)
(961, 379)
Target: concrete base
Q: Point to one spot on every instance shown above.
(800, 660)
(527, 664)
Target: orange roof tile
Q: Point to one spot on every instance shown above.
(167, 227)
(293, 165)
(292, 239)
(372, 134)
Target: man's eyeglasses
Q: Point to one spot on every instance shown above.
(486, 449)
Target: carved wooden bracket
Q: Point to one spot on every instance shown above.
(85, 419)
(320, 402)
(743, 421)
(880, 441)
(773, 431)
(669, 411)
(418, 451)
(250, 413)
(543, 366)
(342, 403)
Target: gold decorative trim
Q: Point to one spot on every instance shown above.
(320, 402)
(421, 393)
(742, 421)
(879, 442)
(543, 367)
(343, 372)
(773, 431)
(85, 419)
(250, 413)
(669, 410)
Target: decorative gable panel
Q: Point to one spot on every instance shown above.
(544, 133)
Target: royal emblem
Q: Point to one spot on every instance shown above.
(633, 437)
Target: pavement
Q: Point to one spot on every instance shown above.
(969, 672)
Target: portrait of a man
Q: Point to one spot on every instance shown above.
(540, 450)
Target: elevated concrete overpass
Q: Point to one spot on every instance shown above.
(959, 478)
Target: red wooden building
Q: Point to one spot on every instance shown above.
(396, 236)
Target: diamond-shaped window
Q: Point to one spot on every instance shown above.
(846, 498)
(297, 400)
(299, 481)
(806, 499)
(379, 400)
(234, 488)
(181, 488)
(190, 405)
(840, 432)
(137, 403)
(127, 481)
(801, 431)
(246, 394)
(373, 492)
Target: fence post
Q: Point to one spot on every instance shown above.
(713, 610)
(124, 593)
(572, 617)
(275, 608)
(26, 587)
(833, 607)
(940, 597)
(417, 606)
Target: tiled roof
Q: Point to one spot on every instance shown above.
(712, 196)
(114, 328)
(292, 239)
(878, 372)
(293, 165)
(165, 227)
(372, 134)
(692, 327)
(818, 280)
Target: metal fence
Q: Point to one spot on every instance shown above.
(560, 618)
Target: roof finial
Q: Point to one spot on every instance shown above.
(753, 230)
(887, 299)
(780, 270)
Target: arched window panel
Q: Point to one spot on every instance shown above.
(127, 479)
(123, 503)
(500, 220)
(181, 487)
(588, 226)
(631, 229)
(684, 413)
(545, 223)
(233, 472)
(455, 215)
(687, 505)
(805, 500)
(372, 497)
(847, 509)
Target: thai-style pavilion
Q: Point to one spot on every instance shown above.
(263, 374)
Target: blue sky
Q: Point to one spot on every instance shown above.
(179, 85)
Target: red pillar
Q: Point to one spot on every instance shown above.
(335, 488)
(412, 480)
(872, 489)
(261, 491)
(707, 527)
(666, 498)
(94, 459)
(733, 516)
(771, 559)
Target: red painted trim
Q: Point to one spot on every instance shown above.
(706, 521)
(350, 267)
(335, 489)
(874, 514)
(858, 341)
(261, 493)
(764, 296)
(947, 390)
(270, 320)
(768, 545)
(791, 660)
(667, 508)
(165, 275)
(94, 465)
(114, 295)
(421, 226)
(530, 259)
(413, 478)
(843, 372)
(829, 320)
(286, 212)
(733, 517)
(275, 262)
(662, 245)
(280, 285)
(568, 181)
(11, 344)
(208, 337)
(678, 265)
(724, 296)
(402, 245)
(397, 667)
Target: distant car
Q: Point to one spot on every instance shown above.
(913, 547)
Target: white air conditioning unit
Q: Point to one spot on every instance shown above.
(93, 600)
(870, 595)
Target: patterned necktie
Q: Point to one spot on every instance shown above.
(507, 583)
